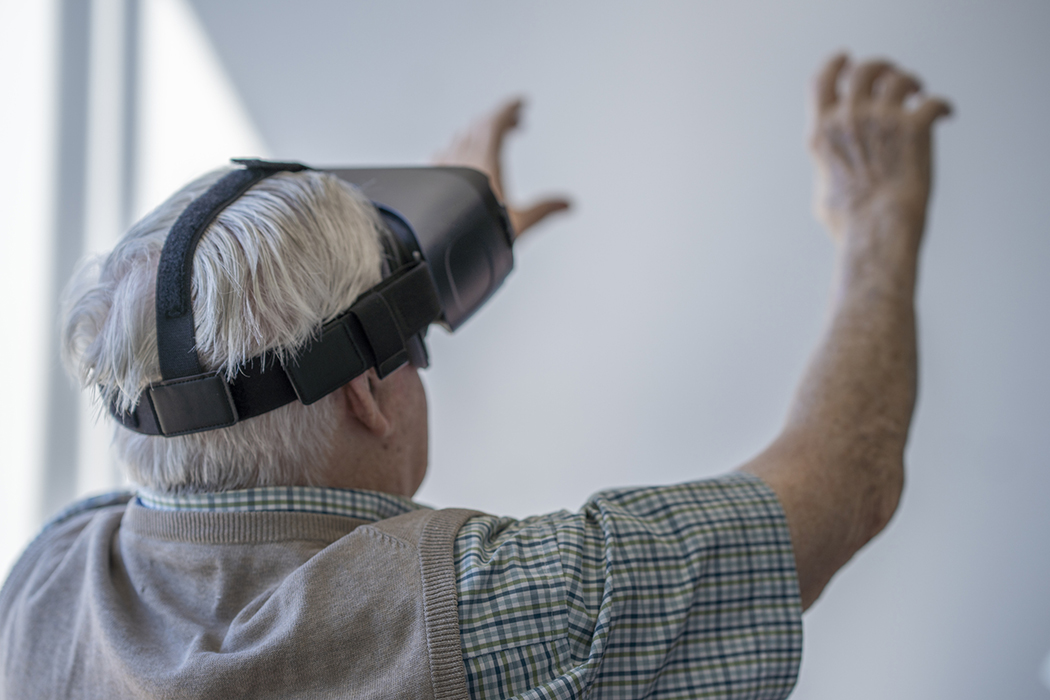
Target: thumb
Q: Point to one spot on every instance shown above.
(524, 219)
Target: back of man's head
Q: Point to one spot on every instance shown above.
(291, 253)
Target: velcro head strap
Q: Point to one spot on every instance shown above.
(374, 332)
(189, 399)
(176, 343)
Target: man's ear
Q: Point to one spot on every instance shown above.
(364, 404)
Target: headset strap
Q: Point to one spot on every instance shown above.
(373, 332)
(176, 343)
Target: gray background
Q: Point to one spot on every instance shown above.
(657, 333)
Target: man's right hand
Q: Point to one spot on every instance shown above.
(871, 150)
(838, 465)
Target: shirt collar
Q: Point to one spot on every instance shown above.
(350, 503)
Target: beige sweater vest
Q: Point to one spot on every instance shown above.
(126, 602)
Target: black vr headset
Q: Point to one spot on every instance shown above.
(447, 248)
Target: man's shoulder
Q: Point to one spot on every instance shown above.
(83, 509)
(92, 518)
(70, 522)
(425, 527)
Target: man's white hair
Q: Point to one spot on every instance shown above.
(290, 254)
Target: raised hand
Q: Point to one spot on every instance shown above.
(480, 146)
(872, 149)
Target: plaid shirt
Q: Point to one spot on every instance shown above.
(685, 591)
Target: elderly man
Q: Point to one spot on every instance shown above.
(282, 556)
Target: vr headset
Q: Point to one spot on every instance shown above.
(447, 247)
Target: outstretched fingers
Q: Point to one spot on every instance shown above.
(862, 80)
(481, 147)
(825, 85)
(869, 143)
(932, 109)
(524, 219)
(496, 126)
(504, 118)
(897, 86)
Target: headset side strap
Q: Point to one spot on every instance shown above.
(371, 333)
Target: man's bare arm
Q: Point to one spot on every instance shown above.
(838, 465)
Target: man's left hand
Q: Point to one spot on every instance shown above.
(481, 147)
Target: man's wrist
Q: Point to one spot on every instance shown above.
(885, 226)
(879, 252)
(892, 214)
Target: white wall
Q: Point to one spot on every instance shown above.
(188, 119)
(657, 333)
(27, 40)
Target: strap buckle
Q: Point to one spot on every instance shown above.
(192, 404)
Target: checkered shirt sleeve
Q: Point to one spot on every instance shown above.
(686, 591)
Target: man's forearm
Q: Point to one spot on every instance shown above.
(854, 405)
(863, 375)
(838, 465)
(847, 427)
